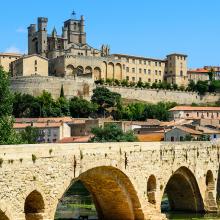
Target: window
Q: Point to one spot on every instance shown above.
(197, 114)
(140, 79)
(155, 72)
(172, 139)
(159, 80)
(181, 73)
(149, 71)
(127, 69)
(160, 73)
(159, 63)
(133, 61)
(140, 61)
(207, 114)
(155, 63)
(133, 70)
(145, 62)
(133, 79)
(187, 115)
(145, 71)
(155, 80)
(149, 80)
(181, 138)
(140, 70)
(35, 68)
(149, 63)
(35, 62)
(127, 78)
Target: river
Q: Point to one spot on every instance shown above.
(184, 216)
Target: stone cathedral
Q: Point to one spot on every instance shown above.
(69, 54)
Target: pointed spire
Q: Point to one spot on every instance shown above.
(54, 32)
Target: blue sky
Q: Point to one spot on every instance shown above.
(152, 28)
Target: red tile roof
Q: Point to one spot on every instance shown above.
(37, 125)
(43, 120)
(189, 130)
(199, 70)
(194, 108)
(80, 139)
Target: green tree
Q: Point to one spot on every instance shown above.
(30, 135)
(112, 133)
(214, 86)
(26, 106)
(7, 133)
(81, 108)
(202, 87)
(211, 74)
(105, 99)
(62, 92)
(48, 106)
(191, 86)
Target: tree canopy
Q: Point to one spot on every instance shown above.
(112, 133)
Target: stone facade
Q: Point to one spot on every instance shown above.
(131, 178)
(6, 59)
(29, 66)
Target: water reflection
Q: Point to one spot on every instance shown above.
(76, 203)
(191, 216)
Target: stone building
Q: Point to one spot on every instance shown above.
(199, 74)
(7, 58)
(30, 65)
(69, 54)
(192, 113)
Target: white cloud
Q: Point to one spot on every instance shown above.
(21, 30)
(12, 49)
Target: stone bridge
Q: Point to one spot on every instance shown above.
(127, 180)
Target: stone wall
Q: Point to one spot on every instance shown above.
(83, 86)
(34, 85)
(155, 96)
(118, 175)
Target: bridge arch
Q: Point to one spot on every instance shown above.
(113, 193)
(34, 206)
(6, 212)
(151, 189)
(210, 200)
(183, 192)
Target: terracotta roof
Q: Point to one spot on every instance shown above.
(206, 130)
(175, 122)
(37, 125)
(151, 137)
(196, 108)
(80, 139)
(188, 130)
(198, 70)
(39, 120)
